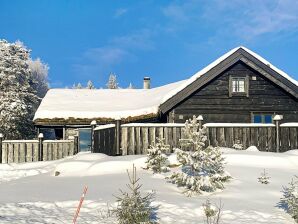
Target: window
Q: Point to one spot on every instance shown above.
(238, 85)
(262, 118)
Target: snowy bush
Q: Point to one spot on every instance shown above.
(289, 201)
(133, 207)
(238, 145)
(264, 178)
(157, 160)
(202, 166)
(212, 213)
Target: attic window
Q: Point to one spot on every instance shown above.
(238, 86)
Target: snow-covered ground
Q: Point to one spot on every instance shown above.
(30, 193)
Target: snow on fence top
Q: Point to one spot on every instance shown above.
(100, 127)
(153, 125)
(290, 124)
(20, 141)
(237, 125)
(101, 103)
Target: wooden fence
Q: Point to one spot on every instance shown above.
(226, 135)
(135, 138)
(105, 139)
(19, 151)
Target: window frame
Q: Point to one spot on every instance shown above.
(246, 86)
(263, 115)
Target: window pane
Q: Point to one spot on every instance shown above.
(268, 118)
(238, 85)
(258, 118)
(85, 139)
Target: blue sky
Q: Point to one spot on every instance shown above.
(166, 40)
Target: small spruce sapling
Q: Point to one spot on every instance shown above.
(264, 178)
(133, 208)
(202, 165)
(289, 201)
(157, 160)
(212, 213)
(237, 145)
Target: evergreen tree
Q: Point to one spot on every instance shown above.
(79, 86)
(17, 95)
(202, 166)
(90, 85)
(133, 208)
(130, 86)
(157, 160)
(289, 201)
(112, 83)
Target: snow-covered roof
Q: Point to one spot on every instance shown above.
(123, 103)
(219, 60)
(102, 103)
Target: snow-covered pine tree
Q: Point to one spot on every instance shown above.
(289, 201)
(130, 86)
(157, 160)
(112, 83)
(17, 96)
(202, 166)
(90, 85)
(39, 71)
(264, 178)
(133, 208)
(79, 86)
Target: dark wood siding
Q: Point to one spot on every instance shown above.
(215, 104)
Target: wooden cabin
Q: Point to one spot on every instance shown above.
(240, 86)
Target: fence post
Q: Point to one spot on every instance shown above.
(200, 119)
(276, 119)
(93, 125)
(76, 144)
(118, 136)
(1, 139)
(40, 147)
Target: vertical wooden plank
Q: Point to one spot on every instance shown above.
(262, 138)
(145, 136)
(178, 136)
(124, 140)
(170, 138)
(244, 137)
(272, 139)
(29, 152)
(221, 137)
(284, 138)
(175, 140)
(213, 140)
(45, 151)
(138, 141)
(10, 153)
(22, 153)
(229, 136)
(293, 138)
(4, 153)
(15, 152)
(131, 148)
(152, 135)
(254, 136)
(55, 150)
(35, 151)
(72, 148)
